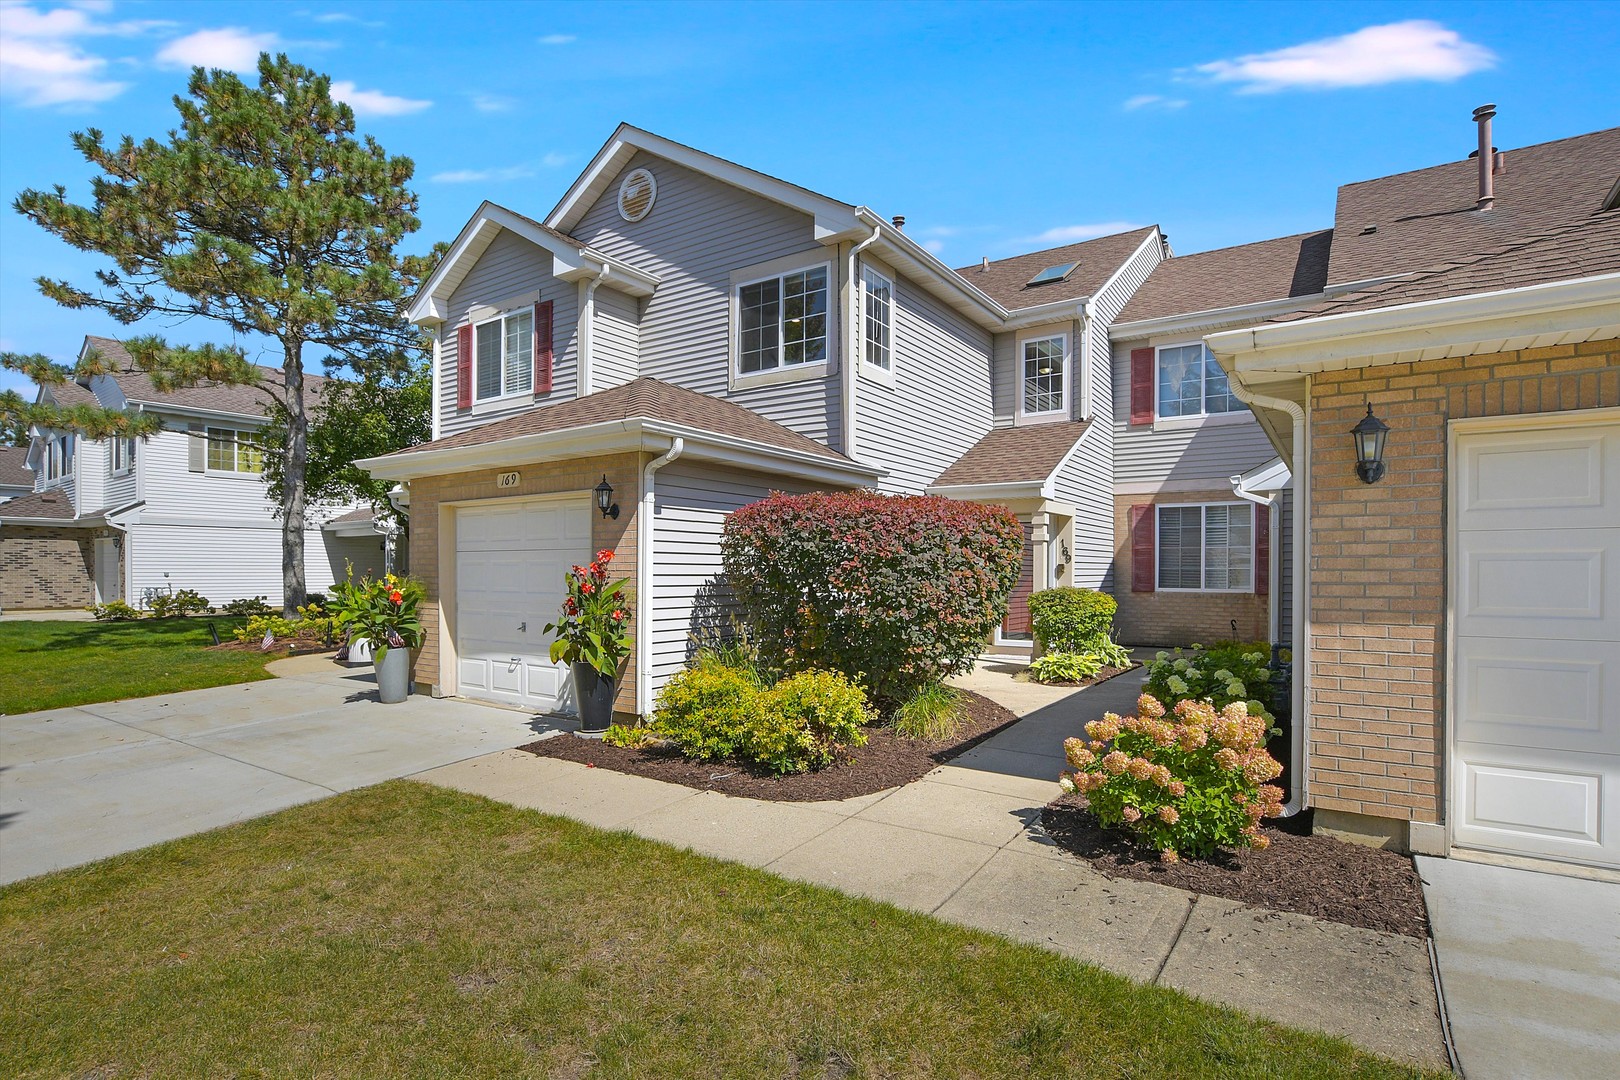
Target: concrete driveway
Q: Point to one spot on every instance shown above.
(1530, 964)
(84, 783)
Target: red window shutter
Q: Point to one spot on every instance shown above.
(1142, 386)
(464, 367)
(1262, 550)
(1144, 548)
(542, 348)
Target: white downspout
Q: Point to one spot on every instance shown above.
(852, 340)
(1300, 481)
(644, 579)
(587, 333)
(1273, 604)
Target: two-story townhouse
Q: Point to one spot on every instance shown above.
(686, 335)
(186, 508)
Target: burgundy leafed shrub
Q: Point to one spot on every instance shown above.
(896, 591)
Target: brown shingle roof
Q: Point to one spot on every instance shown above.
(243, 400)
(1580, 249)
(1011, 455)
(642, 399)
(364, 513)
(1245, 274)
(1007, 280)
(14, 470)
(43, 505)
(1429, 216)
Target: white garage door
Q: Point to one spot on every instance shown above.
(1536, 672)
(511, 559)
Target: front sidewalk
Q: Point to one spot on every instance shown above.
(964, 844)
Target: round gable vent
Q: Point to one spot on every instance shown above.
(636, 195)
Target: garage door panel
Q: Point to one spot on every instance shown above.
(1536, 641)
(1569, 475)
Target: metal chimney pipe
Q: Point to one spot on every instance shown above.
(1487, 156)
(985, 265)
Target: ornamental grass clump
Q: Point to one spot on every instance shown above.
(1187, 783)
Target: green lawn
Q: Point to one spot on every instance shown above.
(49, 665)
(405, 930)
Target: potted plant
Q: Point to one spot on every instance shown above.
(593, 637)
(385, 613)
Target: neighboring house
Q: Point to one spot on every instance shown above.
(15, 476)
(185, 509)
(698, 334)
(1458, 666)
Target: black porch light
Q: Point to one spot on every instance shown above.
(1369, 435)
(604, 499)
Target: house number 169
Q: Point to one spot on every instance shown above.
(507, 479)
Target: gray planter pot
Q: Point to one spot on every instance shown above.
(394, 676)
(595, 692)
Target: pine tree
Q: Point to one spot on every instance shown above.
(264, 213)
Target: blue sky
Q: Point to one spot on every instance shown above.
(995, 128)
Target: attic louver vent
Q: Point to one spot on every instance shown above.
(636, 195)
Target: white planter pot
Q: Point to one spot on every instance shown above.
(359, 652)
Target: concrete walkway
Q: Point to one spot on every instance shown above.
(84, 783)
(1530, 964)
(964, 844)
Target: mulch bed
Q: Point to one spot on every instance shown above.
(1102, 676)
(887, 760)
(287, 648)
(1311, 875)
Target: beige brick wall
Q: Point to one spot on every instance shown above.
(46, 567)
(1177, 618)
(1378, 561)
(576, 474)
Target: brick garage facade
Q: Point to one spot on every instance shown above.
(1379, 556)
(44, 566)
(430, 494)
(1178, 618)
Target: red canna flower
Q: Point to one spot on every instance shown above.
(396, 596)
(618, 616)
(605, 555)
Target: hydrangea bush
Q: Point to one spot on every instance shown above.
(1223, 673)
(1187, 782)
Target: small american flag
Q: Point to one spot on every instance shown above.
(269, 641)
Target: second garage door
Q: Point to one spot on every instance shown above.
(511, 560)
(1536, 748)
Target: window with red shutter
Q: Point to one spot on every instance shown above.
(1144, 548)
(1142, 385)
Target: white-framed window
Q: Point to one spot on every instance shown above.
(503, 355)
(59, 458)
(122, 458)
(1041, 363)
(878, 319)
(782, 321)
(234, 451)
(1191, 383)
(1206, 547)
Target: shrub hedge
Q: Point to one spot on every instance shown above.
(1071, 620)
(894, 591)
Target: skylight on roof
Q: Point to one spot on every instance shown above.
(1053, 273)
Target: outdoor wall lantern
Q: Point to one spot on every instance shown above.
(1369, 435)
(604, 499)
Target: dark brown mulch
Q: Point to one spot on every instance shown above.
(1311, 875)
(1102, 676)
(887, 760)
(280, 648)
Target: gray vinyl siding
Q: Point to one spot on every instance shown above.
(1085, 482)
(698, 232)
(228, 561)
(1210, 451)
(617, 344)
(1004, 379)
(1104, 308)
(509, 267)
(940, 403)
(691, 503)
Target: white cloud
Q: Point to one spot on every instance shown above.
(1073, 234)
(41, 62)
(935, 246)
(375, 102)
(344, 17)
(230, 48)
(1395, 52)
(1153, 101)
(493, 103)
(558, 39)
(554, 160)
(484, 176)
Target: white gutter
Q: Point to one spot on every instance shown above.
(645, 557)
(852, 339)
(1300, 480)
